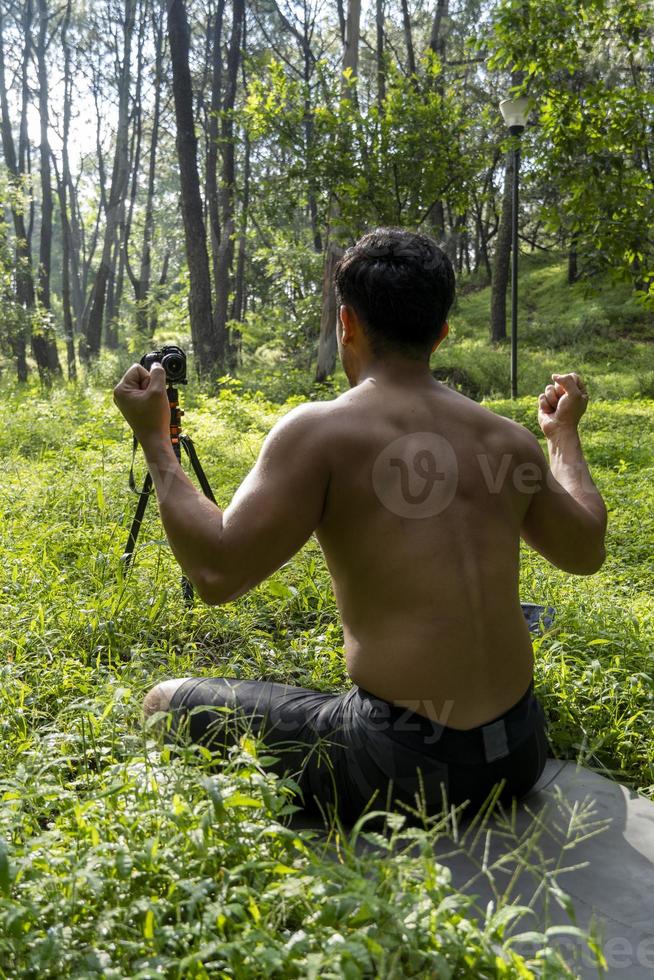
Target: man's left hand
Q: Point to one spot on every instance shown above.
(141, 397)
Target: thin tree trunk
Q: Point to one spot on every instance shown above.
(351, 46)
(90, 347)
(437, 44)
(502, 258)
(328, 346)
(66, 302)
(225, 256)
(121, 260)
(381, 67)
(63, 183)
(24, 281)
(213, 133)
(341, 20)
(145, 274)
(154, 314)
(312, 191)
(114, 289)
(240, 296)
(327, 343)
(573, 265)
(45, 246)
(141, 284)
(408, 38)
(44, 340)
(482, 248)
(438, 37)
(207, 349)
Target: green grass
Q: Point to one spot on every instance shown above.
(119, 860)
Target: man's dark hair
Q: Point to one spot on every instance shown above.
(401, 285)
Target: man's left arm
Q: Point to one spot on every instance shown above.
(272, 514)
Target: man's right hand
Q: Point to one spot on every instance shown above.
(566, 519)
(562, 404)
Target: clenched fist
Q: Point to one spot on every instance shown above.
(562, 404)
(141, 397)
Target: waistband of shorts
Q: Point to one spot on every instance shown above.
(485, 743)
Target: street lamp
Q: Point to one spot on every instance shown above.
(514, 112)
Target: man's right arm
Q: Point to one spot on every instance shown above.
(566, 518)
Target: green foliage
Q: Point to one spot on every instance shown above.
(585, 66)
(283, 330)
(389, 164)
(117, 860)
(382, 163)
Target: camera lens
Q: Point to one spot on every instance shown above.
(174, 366)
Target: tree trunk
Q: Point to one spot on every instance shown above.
(145, 275)
(573, 266)
(408, 38)
(90, 348)
(438, 37)
(240, 296)
(213, 123)
(141, 284)
(112, 303)
(312, 190)
(327, 343)
(45, 341)
(213, 132)
(351, 45)
(207, 350)
(381, 67)
(341, 20)
(225, 257)
(482, 248)
(62, 194)
(328, 346)
(24, 281)
(502, 257)
(66, 302)
(437, 43)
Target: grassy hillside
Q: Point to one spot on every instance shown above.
(599, 330)
(118, 860)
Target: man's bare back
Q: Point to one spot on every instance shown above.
(422, 543)
(419, 498)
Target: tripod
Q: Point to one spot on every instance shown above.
(177, 439)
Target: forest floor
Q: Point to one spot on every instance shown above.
(118, 859)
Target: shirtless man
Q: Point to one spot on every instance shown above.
(418, 497)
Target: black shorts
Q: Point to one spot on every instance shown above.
(354, 751)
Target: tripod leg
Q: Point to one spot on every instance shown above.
(138, 520)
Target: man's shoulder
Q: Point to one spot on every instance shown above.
(508, 435)
(320, 413)
(303, 424)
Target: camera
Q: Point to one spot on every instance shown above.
(172, 360)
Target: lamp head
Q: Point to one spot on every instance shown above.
(515, 112)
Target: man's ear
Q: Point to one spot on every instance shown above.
(445, 329)
(345, 314)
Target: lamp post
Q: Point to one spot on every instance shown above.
(514, 112)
